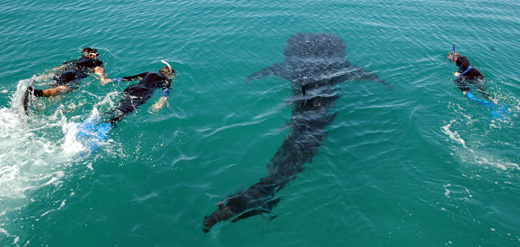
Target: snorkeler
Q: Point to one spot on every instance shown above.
(467, 74)
(137, 94)
(93, 131)
(68, 75)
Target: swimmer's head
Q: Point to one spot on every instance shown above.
(450, 56)
(89, 53)
(167, 70)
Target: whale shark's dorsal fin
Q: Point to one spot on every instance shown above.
(360, 74)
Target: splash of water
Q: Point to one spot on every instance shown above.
(34, 156)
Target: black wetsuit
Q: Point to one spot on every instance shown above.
(73, 72)
(137, 94)
(469, 75)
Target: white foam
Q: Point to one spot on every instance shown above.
(454, 135)
(31, 156)
(71, 144)
(35, 154)
(476, 155)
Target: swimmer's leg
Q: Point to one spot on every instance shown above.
(56, 91)
(126, 106)
(47, 92)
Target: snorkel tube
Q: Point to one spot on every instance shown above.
(167, 64)
(453, 53)
(166, 92)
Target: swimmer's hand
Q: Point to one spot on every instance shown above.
(101, 73)
(104, 81)
(456, 74)
(159, 104)
(98, 70)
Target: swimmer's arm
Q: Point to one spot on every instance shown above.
(99, 71)
(120, 79)
(160, 103)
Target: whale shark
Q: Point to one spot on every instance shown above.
(314, 64)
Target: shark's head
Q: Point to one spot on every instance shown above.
(258, 199)
(227, 209)
(221, 214)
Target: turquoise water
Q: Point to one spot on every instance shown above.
(418, 165)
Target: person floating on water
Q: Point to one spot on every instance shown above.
(468, 75)
(68, 75)
(134, 96)
(137, 94)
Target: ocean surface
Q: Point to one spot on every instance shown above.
(419, 164)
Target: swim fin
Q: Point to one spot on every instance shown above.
(102, 131)
(91, 132)
(497, 111)
(500, 112)
(28, 97)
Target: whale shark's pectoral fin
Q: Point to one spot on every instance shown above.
(275, 69)
(248, 214)
(359, 74)
(224, 201)
(265, 209)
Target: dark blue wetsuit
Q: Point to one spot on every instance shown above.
(137, 94)
(469, 75)
(77, 70)
(73, 72)
(134, 96)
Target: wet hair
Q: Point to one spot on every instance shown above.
(450, 55)
(167, 71)
(87, 50)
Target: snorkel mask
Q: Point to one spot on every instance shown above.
(88, 54)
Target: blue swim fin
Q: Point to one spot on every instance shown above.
(497, 111)
(102, 131)
(500, 112)
(90, 132)
(86, 128)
